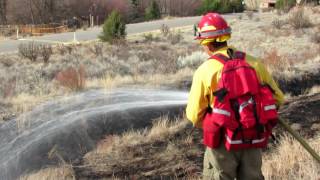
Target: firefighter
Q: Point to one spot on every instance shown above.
(219, 162)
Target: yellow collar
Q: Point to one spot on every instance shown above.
(223, 51)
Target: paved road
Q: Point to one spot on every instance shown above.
(91, 34)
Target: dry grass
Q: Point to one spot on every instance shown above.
(61, 173)
(315, 37)
(274, 61)
(290, 161)
(298, 19)
(163, 151)
(162, 129)
(313, 90)
(278, 23)
(152, 81)
(23, 103)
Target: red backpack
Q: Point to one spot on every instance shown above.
(244, 111)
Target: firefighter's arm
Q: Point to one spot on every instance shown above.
(197, 102)
(267, 78)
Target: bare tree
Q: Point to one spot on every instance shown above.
(3, 11)
(179, 7)
(36, 11)
(48, 11)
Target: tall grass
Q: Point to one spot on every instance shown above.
(290, 161)
(61, 173)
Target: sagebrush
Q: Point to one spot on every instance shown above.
(29, 51)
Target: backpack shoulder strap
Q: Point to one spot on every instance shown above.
(239, 55)
(233, 55)
(220, 57)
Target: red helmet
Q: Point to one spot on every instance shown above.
(212, 25)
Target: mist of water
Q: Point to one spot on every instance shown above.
(72, 125)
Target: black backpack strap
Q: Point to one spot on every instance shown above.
(239, 55)
(232, 55)
(220, 94)
(220, 57)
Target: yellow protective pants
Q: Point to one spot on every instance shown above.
(220, 164)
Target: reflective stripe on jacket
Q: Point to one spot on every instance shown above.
(205, 82)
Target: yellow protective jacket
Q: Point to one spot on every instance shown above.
(205, 82)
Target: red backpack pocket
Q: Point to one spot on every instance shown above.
(223, 114)
(268, 108)
(211, 132)
(246, 109)
(245, 139)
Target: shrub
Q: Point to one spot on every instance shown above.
(46, 52)
(221, 6)
(249, 14)
(285, 5)
(236, 5)
(209, 5)
(114, 28)
(315, 37)
(30, 51)
(62, 49)
(69, 49)
(175, 37)
(278, 23)
(193, 60)
(72, 78)
(97, 49)
(153, 11)
(165, 30)
(275, 62)
(149, 37)
(8, 87)
(299, 20)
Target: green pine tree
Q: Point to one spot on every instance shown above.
(134, 3)
(221, 6)
(114, 28)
